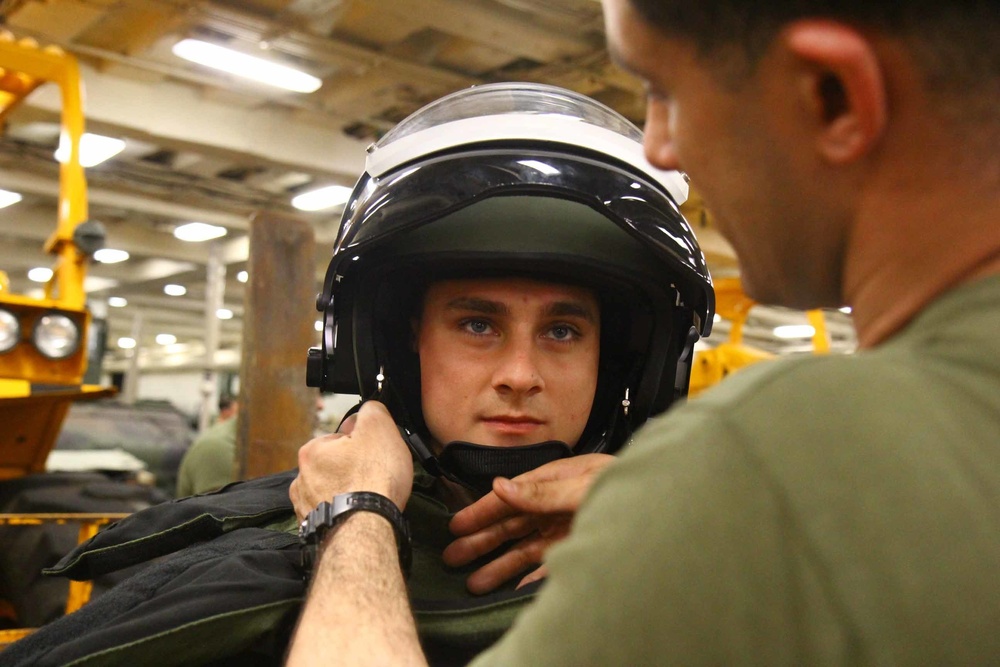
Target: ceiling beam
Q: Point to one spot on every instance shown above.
(496, 26)
(176, 115)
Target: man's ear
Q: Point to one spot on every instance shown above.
(842, 86)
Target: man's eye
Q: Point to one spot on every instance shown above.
(477, 326)
(562, 333)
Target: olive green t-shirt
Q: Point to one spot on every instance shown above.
(811, 511)
(209, 463)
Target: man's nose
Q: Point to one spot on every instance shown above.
(517, 370)
(658, 140)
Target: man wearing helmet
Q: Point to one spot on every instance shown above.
(819, 510)
(514, 282)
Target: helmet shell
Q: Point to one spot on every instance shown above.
(513, 191)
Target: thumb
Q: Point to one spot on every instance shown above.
(542, 497)
(374, 417)
(347, 425)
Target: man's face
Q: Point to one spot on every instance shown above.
(744, 153)
(507, 362)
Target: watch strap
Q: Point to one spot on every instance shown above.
(326, 517)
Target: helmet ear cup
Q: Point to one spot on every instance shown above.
(342, 374)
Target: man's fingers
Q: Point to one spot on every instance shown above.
(467, 549)
(374, 415)
(484, 512)
(557, 496)
(531, 578)
(521, 556)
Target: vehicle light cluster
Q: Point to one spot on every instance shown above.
(54, 335)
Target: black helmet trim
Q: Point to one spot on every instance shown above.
(383, 208)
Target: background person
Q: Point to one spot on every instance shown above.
(208, 464)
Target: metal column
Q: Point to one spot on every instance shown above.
(277, 410)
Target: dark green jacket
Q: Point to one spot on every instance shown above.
(224, 586)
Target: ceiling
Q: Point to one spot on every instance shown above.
(205, 146)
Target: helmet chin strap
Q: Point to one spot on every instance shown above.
(475, 466)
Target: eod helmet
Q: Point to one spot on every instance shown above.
(515, 179)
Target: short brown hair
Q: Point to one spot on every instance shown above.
(955, 42)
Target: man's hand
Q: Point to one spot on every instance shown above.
(367, 454)
(537, 507)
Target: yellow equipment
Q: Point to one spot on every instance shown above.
(43, 341)
(731, 303)
(79, 591)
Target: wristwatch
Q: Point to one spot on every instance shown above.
(328, 516)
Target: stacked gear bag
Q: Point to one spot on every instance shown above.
(498, 180)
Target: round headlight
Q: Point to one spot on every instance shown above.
(56, 336)
(10, 331)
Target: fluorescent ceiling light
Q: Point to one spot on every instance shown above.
(794, 331)
(94, 149)
(8, 198)
(40, 274)
(98, 284)
(248, 67)
(175, 290)
(117, 302)
(126, 343)
(224, 314)
(166, 339)
(176, 348)
(110, 255)
(243, 276)
(196, 232)
(323, 198)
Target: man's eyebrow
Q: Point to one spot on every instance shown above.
(572, 309)
(556, 309)
(478, 305)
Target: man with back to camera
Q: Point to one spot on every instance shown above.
(491, 292)
(810, 511)
(208, 462)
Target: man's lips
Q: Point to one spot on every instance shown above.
(512, 424)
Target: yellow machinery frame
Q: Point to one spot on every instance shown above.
(36, 392)
(712, 366)
(23, 67)
(79, 591)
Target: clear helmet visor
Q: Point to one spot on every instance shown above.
(523, 99)
(505, 112)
